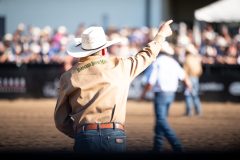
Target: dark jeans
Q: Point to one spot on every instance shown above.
(162, 101)
(100, 141)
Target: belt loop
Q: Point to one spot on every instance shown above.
(83, 128)
(98, 126)
(75, 130)
(114, 125)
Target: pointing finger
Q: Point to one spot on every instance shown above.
(169, 22)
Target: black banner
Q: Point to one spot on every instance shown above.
(30, 80)
(218, 82)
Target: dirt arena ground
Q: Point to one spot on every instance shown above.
(27, 125)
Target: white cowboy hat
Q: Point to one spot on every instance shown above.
(92, 40)
(167, 48)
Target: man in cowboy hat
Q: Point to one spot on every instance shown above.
(91, 105)
(162, 77)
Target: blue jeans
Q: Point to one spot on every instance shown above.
(162, 102)
(100, 141)
(192, 98)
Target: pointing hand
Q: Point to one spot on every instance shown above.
(165, 29)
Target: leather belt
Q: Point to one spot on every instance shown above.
(97, 126)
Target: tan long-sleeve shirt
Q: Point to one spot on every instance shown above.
(193, 65)
(95, 90)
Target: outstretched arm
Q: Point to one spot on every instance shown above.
(138, 63)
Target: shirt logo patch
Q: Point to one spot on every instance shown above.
(91, 64)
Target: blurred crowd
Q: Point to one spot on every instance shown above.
(30, 44)
(214, 47)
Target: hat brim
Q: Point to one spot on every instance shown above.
(77, 51)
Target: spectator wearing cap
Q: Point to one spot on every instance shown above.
(221, 45)
(7, 55)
